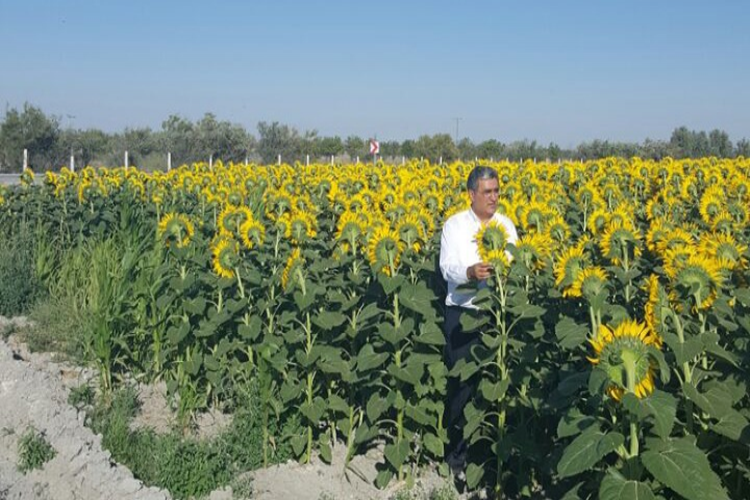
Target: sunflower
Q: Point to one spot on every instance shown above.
(598, 220)
(710, 206)
(302, 226)
(384, 250)
(534, 250)
(557, 229)
(350, 228)
(177, 229)
(410, 232)
(620, 241)
(697, 276)
(491, 236)
(225, 251)
(623, 354)
(569, 264)
(252, 233)
(722, 246)
(589, 283)
(293, 263)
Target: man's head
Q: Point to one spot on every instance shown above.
(484, 190)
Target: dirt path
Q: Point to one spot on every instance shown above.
(32, 394)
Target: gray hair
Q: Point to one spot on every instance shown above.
(477, 173)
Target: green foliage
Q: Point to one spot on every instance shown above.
(19, 285)
(34, 451)
(81, 396)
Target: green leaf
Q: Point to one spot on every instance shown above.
(396, 453)
(684, 468)
(383, 478)
(390, 284)
(430, 334)
(683, 352)
(418, 298)
(474, 474)
(434, 444)
(615, 487)
(298, 445)
(337, 403)
(252, 330)
(325, 453)
(663, 407)
(570, 334)
(376, 406)
(572, 383)
(527, 311)
(574, 422)
(368, 359)
(493, 391)
(195, 306)
(328, 320)
(734, 426)
(473, 320)
(586, 450)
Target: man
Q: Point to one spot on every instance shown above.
(460, 264)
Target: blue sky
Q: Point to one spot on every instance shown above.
(548, 70)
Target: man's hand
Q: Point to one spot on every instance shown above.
(479, 271)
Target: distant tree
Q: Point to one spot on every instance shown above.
(491, 148)
(28, 129)
(330, 146)
(743, 148)
(89, 147)
(466, 149)
(178, 138)
(407, 149)
(719, 144)
(523, 150)
(355, 146)
(554, 152)
(276, 139)
(390, 149)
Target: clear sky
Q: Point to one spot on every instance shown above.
(562, 71)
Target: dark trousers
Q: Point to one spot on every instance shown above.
(458, 345)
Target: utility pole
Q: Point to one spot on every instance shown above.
(458, 119)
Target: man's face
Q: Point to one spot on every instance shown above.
(484, 198)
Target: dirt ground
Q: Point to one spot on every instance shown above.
(34, 392)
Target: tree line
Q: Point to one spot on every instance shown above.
(50, 145)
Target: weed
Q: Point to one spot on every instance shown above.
(242, 487)
(81, 396)
(33, 450)
(56, 327)
(446, 492)
(7, 329)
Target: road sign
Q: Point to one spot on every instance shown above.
(374, 147)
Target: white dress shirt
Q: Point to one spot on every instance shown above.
(459, 251)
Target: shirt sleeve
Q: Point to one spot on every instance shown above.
(450, 264)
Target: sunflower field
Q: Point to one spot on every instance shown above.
(614, 355)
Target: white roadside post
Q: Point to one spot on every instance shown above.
(279, 160)
(332, 162)
(307, 160)
(25, 159)
(127, 161)
(169, 161)
(72, 163)
(211, 162)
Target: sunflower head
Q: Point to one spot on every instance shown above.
(490, 237)
(534, 250)
(658, 300)
(176, 229)
(384, 250)
(291, 275)
(226, 255)
(569, 264)
(410, 232)
(302, 227)
(252, 233)
(590, 283)
(696, 278)
(620, 241)
(623, 354)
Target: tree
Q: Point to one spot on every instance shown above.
(276, 139)
(743, 148)
(491, 148)
(719, 144)
(29, 129)
(355, 146)
(331, 146)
